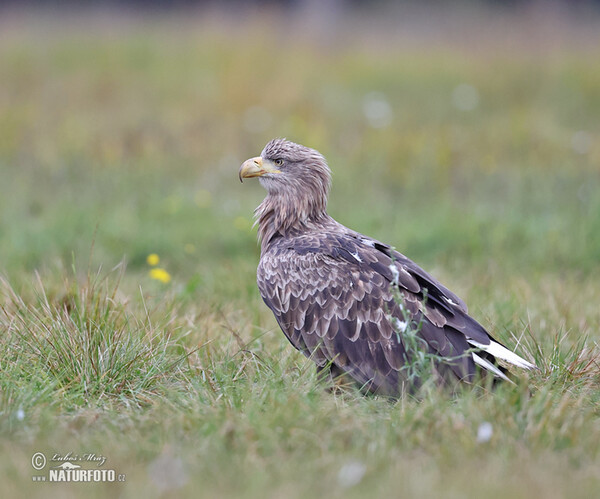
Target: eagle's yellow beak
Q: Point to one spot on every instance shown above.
(256, 167)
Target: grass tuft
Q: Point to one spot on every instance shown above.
(86, 342)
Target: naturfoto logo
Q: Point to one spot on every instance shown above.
(70, 468)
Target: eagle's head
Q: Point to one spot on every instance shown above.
(284, 167)
(297, 180)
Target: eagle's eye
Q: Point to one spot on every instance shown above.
(278, 162)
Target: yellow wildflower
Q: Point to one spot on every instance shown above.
(160, 275)
(152, 259)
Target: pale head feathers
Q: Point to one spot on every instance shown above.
(296, 197)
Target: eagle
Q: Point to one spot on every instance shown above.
(359, 309)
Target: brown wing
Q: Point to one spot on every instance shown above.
(333, 297)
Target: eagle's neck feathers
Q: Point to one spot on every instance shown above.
(290, 212)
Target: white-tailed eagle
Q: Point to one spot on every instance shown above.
(348, 301)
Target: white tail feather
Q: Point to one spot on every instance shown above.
(490, 367)
(497, 350)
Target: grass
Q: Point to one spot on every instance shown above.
(86, 343)
(116, 144)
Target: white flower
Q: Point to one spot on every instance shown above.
(351, 474)
(377, 110)
(484, 432)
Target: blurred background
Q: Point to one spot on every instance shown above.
(465, 134)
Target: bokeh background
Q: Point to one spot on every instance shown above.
(459, 133)
(467, 134)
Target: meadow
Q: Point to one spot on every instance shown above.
(121, 138)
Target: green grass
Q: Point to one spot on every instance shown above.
(115, 146)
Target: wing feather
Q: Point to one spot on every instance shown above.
(333, 297)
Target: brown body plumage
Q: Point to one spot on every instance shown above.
(346, 300)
